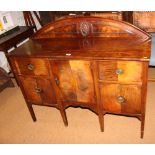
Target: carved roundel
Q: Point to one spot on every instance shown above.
(84, 28)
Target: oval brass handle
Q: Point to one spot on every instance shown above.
(38, 90)
(30, 67)
(120, 99)
(57, 81)
(119, 71)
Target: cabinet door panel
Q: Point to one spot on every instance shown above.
(62, 73)
(83, 80)
(76, 81)
(121, 98)
(29, 85)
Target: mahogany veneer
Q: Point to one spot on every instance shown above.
(92, 62)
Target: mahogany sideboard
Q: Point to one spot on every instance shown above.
(90, 62)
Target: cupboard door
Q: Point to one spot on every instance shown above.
(74, 79)
(121, 98)
(38, 90)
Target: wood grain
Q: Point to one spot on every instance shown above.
(70, 27)
(29, 84)
(47, 91)
(131, 93)
(39, 66)
(76, 82)
(46, 95)
(132, 71)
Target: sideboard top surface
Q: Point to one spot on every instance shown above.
(88, 38)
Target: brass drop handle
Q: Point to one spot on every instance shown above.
(30, 67)
(38, 90)
(119, 71)
(120, 99)
(57, 81)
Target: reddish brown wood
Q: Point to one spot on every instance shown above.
(98, 95)
(58, 96)
(29, 104)
(91, 62)
(143, 96)
(29, 85)
(131, 71)
(73, 27)
(74, 79)
(94, 48)
(110, 94)
(38, 90)
(31, 66)
(63, 113)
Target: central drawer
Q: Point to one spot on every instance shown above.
(31, 66)
(120, 71)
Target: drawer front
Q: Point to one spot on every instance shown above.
(121, 71)
(29, 85)
(38, 90)
(31, 66)
(121, 98)
(47, 93)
